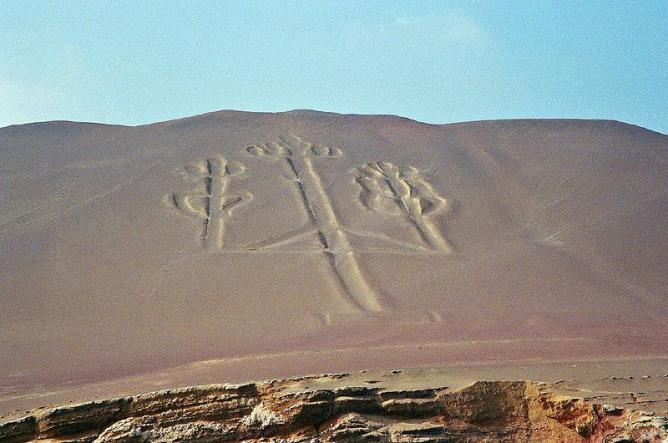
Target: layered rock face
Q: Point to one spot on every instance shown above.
(276, 411)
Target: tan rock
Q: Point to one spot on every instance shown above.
(272, 411)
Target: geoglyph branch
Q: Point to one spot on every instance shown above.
(403, 191)
(214, 205)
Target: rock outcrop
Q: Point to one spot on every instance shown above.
(283, 411)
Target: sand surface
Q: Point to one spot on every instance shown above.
(308, 242)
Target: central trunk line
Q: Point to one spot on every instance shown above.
(334, 240)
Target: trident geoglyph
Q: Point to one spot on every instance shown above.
(386, 189)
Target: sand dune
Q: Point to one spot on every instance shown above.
(134, 249)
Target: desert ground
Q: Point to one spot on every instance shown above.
(236, 246)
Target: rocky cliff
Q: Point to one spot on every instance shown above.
(329, 408)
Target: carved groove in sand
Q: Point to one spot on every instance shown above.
(297, 155)
(397, 191)
(215, 204)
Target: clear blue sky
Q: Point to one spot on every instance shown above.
(143, 61)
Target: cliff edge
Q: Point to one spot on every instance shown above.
(329, 408)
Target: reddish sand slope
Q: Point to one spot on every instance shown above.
(232, 234)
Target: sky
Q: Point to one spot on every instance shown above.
(138, 62)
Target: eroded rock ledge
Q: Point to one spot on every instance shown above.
(291, 411)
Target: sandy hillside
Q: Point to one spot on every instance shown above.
(367, 241)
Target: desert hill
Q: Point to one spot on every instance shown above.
(345, 241)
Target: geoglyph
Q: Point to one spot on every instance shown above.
(385, 188)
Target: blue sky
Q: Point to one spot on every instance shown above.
(138, 62)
